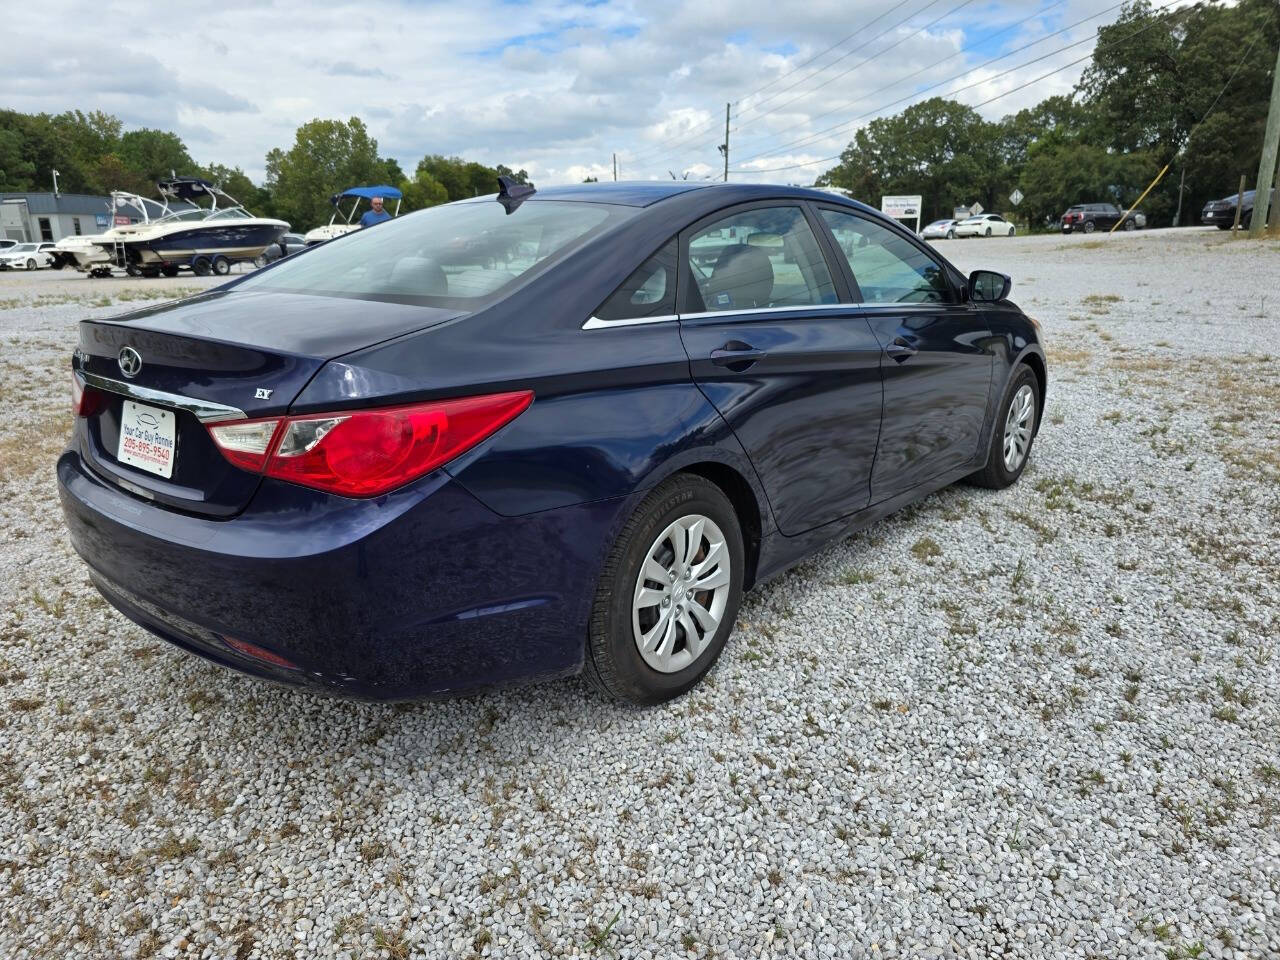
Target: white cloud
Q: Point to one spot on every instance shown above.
(554, 87)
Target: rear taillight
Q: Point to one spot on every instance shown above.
(85, 401)
(364, 453)
(259, 653)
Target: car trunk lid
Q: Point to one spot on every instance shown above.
(221, 356)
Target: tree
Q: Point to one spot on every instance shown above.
(327, 156)
(237, 183)
(155, 155)
(938, 148)
(422, 191)
(462, 178)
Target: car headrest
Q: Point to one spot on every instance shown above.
(742, 277)
(418, 276)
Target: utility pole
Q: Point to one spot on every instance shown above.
(1182, 187)
(1267, 166)
(615, 168)
(724, 147)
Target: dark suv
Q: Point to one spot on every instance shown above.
(1222, 213)
(1088, 217)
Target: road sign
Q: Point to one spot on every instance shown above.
(1016, 197)
(975, 210)
(903, 208)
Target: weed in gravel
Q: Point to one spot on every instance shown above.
(926, 549)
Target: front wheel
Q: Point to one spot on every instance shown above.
(668, 595)
(1131, 225)
(1014, 432)
(221, 266)
(1013, 231)
(31, 264)
(951, 234)
(988, 231)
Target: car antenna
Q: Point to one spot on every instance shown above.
(512, 193)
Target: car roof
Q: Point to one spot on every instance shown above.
(644, 193)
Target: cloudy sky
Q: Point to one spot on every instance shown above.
(554, 87)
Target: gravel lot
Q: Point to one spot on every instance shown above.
(1035, 723)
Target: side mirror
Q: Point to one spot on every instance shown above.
(987, 286)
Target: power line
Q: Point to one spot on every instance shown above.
(999, 96)
(682, 137)
(847, 123)
(889, 86)
(682, 140)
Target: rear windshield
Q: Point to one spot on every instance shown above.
(455, 255)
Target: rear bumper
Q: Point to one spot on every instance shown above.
(423, 592)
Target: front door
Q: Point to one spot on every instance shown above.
(938, 364)
(792, 366)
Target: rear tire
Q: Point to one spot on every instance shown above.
(951, 234)
(201, 266)
(1088, 226)
(1012, 417)
(1013, 231)
(988, 231)
(31, 264)
(620, 618)
(1131, 224)
(221, 266)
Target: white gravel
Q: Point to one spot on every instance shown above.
(1057, 737)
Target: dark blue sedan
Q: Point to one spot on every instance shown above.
(529, 435)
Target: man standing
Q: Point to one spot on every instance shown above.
(376, 215)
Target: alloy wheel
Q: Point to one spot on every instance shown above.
(681, 593)
(1018, 426)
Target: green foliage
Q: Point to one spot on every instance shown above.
(327, 156)
(1152, 78)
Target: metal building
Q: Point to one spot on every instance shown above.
(39, 217)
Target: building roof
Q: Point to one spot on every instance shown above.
(71, 204)
(75, 204)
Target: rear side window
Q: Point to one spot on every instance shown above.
(888, 268)
(458, 254)
(755, 259)
(649, 292)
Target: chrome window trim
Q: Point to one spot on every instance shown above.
(810, 308)
(206, 411)
(595, 323)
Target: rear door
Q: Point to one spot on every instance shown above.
(937, 369)
(790, 363)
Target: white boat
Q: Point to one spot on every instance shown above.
(335, 227)
(205, 239)
(93, 253)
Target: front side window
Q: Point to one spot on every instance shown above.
(766, 257)
(649, 292)
(456, 254)
(887, 268)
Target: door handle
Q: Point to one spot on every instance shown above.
(736, 355)
(900, 350)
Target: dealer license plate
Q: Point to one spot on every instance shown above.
(147, 438)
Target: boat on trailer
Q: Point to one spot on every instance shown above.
(94, 254)
(349, 221)
(204, 239)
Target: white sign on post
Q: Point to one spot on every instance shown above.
(1016, 197)
(975, 210)
(903, 208)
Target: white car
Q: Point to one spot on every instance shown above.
(27, 256)
(986, 225)
(939, 230)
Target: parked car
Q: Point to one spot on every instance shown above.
(986, 225)
(1088, 217)
(1222, 213)
(412, 462)
(27, 256)
(939, 230)
(7, 244)
(288, 244)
